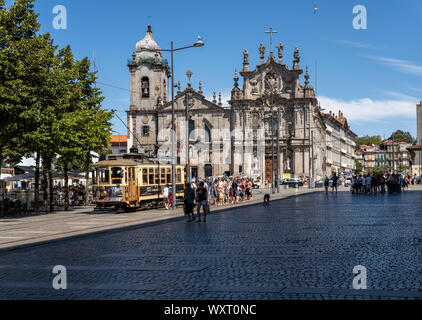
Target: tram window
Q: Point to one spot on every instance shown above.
(168, 175)
(163, 176)
(144, 176)
(130, 174)
(156, 173)
(179, 176)
(104, 175)
(116, 175)
(94, 177)
(151, 176)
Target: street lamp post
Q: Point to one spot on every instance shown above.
(272, 147)
(278, 152)
(198, 43)
(189, 74)
(310, 148)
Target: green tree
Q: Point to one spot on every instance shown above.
(18, 27)
(358, 166)
(402, 136)
(84, 126)
(368, 140)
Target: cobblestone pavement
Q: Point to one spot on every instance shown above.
(299, 248)
(27, 230)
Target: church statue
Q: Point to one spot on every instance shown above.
(262, 52)
(245, 57)
(280, 52)
(288, 163)
(296, 59)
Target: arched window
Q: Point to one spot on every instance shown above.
(191, 126)
(145, 87)
(207, 134)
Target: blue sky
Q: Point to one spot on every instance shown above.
(373, 75)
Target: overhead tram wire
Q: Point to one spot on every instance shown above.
(127, 127)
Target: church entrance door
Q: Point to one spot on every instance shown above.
(208, 170)
(194, 172)
(268, 167)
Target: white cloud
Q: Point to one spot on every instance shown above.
(355, 44)
(400, 65)
(369, 110)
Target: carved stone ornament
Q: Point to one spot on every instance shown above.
(270, 82)
(245, 57)
(262, 51)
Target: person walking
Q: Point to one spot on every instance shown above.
(166, 196)
(335, 180)
(202, 201)
(326, 184)
(189, 198)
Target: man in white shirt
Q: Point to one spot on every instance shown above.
(166, 196)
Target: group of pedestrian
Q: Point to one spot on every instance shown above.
(217, 192)
(380, 183)
(76, 194)
(230, 190)
(334, 183)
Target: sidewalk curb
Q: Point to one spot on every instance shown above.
(137, 226)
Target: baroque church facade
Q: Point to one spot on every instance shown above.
(271, 112)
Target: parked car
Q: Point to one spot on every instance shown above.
(293, 182)
(339, 182)
(256, 185)
(319, 184)
(348, 182)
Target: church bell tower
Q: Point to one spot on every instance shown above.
(149, 75)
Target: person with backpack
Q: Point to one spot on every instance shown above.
(202, 201)
(189, 198)
(326, 184)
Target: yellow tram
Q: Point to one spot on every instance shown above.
(129, 183)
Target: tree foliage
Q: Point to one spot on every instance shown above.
(368, 140)
(402, 136)
(49, 104)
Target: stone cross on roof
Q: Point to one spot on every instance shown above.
(271, 31)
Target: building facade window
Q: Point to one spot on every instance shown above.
(145, 87)
(145, 131)
(191, 126)
(207, 134)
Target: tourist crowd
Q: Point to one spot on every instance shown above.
(379, 183)
(76, 194)
(208, 191)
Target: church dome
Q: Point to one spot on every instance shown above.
(147, 42)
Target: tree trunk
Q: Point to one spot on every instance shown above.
(45, 181)
(66, 187)
(50, 185)
(87, 179)
(37, 181)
